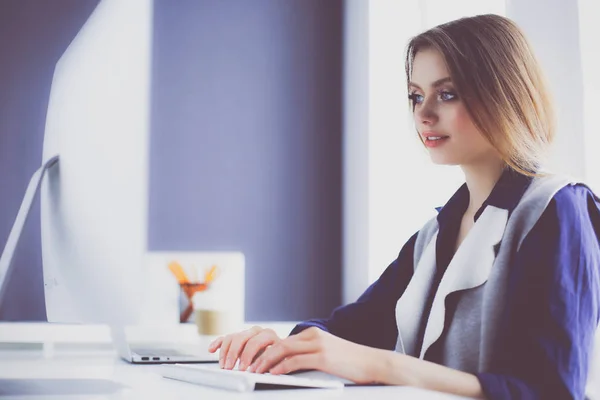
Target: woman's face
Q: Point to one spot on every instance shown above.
(440, 116)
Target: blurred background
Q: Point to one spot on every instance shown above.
(280, 128)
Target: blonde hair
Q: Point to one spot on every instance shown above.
(499, 80)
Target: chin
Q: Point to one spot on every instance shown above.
(444, 159)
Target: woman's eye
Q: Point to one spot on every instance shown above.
(415, 98)
(446, 96)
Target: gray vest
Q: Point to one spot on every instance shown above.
(482, 275)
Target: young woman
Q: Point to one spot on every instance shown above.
(499, 295)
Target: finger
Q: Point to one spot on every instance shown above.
(255, 346)
(215, 344)
(276, 353)
(237, 345)
(224, 350)
(295, 363)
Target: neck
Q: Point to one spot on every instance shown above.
(481, 179)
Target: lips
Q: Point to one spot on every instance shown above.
(434, 136)
(434, 139)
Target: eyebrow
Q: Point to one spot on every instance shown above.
(434, 84)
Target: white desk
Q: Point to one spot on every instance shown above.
(104, 376)
(86, 374)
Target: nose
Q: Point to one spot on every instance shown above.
(426, 113)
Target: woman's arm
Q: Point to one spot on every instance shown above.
(399, 369)
(314, 348)
(371, 319)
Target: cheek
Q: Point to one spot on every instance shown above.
(461, 123)
(465, 131)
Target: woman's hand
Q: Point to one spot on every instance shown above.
(245, 346)
(314, 348)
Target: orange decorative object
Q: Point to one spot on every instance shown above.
(191, 288)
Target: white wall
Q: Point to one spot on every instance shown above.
(552, 28)
(589, 31)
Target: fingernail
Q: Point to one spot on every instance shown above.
(242, 366)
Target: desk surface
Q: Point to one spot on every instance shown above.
(102, 375)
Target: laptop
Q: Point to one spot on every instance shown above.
(159, 353)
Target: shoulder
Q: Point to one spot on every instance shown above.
(562, 252)
(571, 219)
(574, 194)
(573, 203)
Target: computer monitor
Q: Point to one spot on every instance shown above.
(94, 205)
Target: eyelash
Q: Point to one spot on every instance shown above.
(413, 96)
